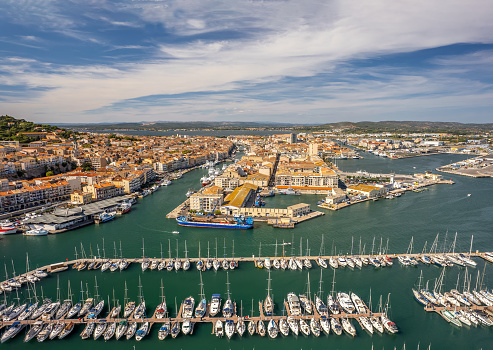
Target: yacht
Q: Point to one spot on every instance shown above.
(140, 310)
(45, 333)
(186, 327)
(142, 332)
(272, 329)
(121, 329)
(229, 327)
(261, 328)
(175, 329)
(12, 331)
(304, 327)
(110, 331)
(240, 326)
(361, 308)
(215, 304)
(74, 310)
(164, 330)
(315, 327)
(320, 306)
(34, 331)
(129, 309)
(348, 326)
(201, 308)
(131, 329)
(283, 327)
(218, 327)
(336, 326)
(388, 324)
(376, 323)
(366, 323)
(333, 263)
(188, 306)
(449, 316)
(87, 332)
(325, 324)
(293, 325)
(36, 232)
(252, 328)
(100, 328)
(345, 302)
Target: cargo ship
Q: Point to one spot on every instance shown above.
(238, 222)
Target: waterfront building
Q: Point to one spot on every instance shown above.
(208, 200)
(367, 190)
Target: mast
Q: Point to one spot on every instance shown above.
(140, 290)
(143, 254)
(308, 288)
(320, 285)
(96, 296)
(99, 255)
(233, 248)
(373, 245)
(114, 300)
(169, 248)
(259, 249)
(104, 254)
(470, 248)
(268, 285)
(332, 292)
(207, 250)
(424, 248)
(81, 295)
(227, 282)
(224, 247)
(275, 250)
(352, 242)
(453, 244)
(301, 248)
(202, 294)
(69, 296)
(216, 248)
(114, 247)
(199, 250)
(76, 255)
(13, 268)
(162, 291)
(186, 251)
(177, 249)
(125, 298)
(121, 255)
(359, 245)
(58, 295)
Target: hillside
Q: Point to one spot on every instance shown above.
(12, 129)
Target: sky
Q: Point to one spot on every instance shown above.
(309, 61)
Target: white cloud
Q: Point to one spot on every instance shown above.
(282, 39)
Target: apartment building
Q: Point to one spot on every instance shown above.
(209, 200)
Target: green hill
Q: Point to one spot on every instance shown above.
(12, 129)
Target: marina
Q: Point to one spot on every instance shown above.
(147, 220)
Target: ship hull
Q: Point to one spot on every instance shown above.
(214, 225)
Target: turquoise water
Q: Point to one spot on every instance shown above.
(443, 209)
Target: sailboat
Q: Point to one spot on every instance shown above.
(145, 262)
(268, 303)
(186, 263)
(252, 326)
(200, 264)
(420, 298)
(332, 302)
(170, 264)
(202, 306)
(319, 304)
(161, 309)
(305, 301)
(321, 261)
(390, 326)
(129, 305)
(240, 325)
(208, 262)
(140, 310)
(228, 308)
(66, 306)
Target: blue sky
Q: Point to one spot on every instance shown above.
(313, 61)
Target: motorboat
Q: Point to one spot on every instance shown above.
(215, 304)
(345, 302)
(218, 328)
(389, 326)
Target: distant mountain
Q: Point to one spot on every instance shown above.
(406, 127)
(160, 126)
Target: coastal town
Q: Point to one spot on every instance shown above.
(89, 178)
